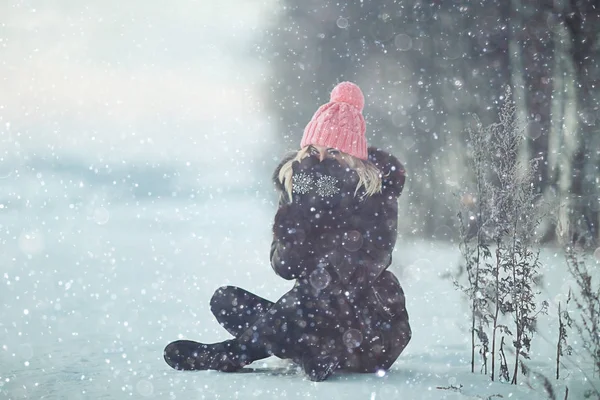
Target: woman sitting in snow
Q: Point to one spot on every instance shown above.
(333, 234)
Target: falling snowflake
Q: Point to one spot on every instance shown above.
(302, 183)
(326, 186)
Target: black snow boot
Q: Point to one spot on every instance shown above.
(188, 355)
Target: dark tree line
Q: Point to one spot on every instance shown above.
(427, 67)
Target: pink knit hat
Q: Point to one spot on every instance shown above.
(339, 124)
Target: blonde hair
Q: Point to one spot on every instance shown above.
(369, 176)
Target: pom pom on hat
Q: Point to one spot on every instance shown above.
(349, 93)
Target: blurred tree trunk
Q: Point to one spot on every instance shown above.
(532, 70)
(558, 156)
(582, 20)
(538, 53)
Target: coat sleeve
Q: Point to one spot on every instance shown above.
(291, 257)
(376, 226)
(367, 245)
(290, 251)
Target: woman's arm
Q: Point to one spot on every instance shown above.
(367, 243)
(376, 222)
(290, 255)
(298, 224)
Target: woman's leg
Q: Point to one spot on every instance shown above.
(304, 325)
(307, 326)
(237, 309)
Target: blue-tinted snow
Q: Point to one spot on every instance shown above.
(92, 290)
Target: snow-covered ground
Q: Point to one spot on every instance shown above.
(91, 291)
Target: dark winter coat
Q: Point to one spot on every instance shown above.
(338, 248)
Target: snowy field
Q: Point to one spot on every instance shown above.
(94, 284)
(101, 265)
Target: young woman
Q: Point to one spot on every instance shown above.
(333, 234)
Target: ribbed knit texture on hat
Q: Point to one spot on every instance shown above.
(340, 124)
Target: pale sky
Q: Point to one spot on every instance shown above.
(130, 78)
